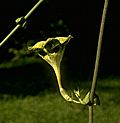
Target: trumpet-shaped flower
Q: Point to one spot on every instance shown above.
(52, 51)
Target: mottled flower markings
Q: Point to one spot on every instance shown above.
(53, 46)
(52, 51)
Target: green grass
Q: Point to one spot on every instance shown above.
(50, 107)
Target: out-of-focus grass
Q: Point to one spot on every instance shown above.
(49, 107)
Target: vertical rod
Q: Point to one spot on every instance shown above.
(94, 82)
(90, 114)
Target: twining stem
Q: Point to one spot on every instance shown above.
(18, 25)
(33, 9)
(94, 82)
(9, 35)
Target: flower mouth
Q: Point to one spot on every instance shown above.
(53, 46)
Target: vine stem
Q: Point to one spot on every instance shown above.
(94, 81)
(18, 26)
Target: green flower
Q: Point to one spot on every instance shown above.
(52, 51)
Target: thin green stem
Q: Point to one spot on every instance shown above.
(18, 26)
(10, 34)
(33, 9)
(94, 82)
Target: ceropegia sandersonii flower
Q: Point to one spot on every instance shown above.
(52, 51)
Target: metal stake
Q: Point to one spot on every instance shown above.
(94, 82)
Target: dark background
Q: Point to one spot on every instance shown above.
(80, 19)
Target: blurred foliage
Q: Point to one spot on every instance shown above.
(20, 57)
(49, 107)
